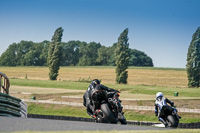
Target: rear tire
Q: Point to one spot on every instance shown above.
(172, 121)
(108, 114)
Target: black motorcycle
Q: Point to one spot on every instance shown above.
(171, 116)
(108, 108)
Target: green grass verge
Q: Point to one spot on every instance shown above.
(60, 110)
(49, 84)
(63, 110)
(135, 89)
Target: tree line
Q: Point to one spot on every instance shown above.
(193, 60)
(73, 53)
(76, 53)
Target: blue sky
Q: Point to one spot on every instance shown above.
(162, 29)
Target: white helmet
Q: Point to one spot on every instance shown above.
(159, 94)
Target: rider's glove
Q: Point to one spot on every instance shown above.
(172, 104)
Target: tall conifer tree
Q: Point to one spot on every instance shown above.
(193, 60)
(122, 54)
(54, 54)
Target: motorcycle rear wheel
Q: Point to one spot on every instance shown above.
(108, 113)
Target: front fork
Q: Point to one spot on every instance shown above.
(175, 113)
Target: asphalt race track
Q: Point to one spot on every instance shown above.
(32, 124)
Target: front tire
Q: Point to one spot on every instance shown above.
(108, 113)
(123, 121)
(121, 118)
(172, 122)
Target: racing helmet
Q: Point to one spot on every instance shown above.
(159, 94)
(95, 82)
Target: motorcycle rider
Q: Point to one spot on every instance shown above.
(87, 101)
(160, 101)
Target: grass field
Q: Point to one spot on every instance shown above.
(137, 75)
(132, 91)
(143, 84)
(63, 110)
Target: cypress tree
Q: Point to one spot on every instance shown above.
(54, 54)
(122, 54)
(193, 60)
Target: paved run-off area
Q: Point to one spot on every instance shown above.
(9, 124)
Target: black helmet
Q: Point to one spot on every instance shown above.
(95, 82)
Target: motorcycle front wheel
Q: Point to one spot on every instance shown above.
(123, 121)
(108, 113)
(172, 122)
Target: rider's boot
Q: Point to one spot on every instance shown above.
(160, 119)
(90, 114)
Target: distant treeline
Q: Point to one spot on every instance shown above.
(74, 53)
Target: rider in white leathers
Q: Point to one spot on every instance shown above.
(159, 103)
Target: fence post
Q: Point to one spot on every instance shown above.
(6, 83)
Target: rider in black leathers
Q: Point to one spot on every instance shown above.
(87, 101)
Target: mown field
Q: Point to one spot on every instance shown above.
(63, 110)
(137, 75)
(143, 83)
